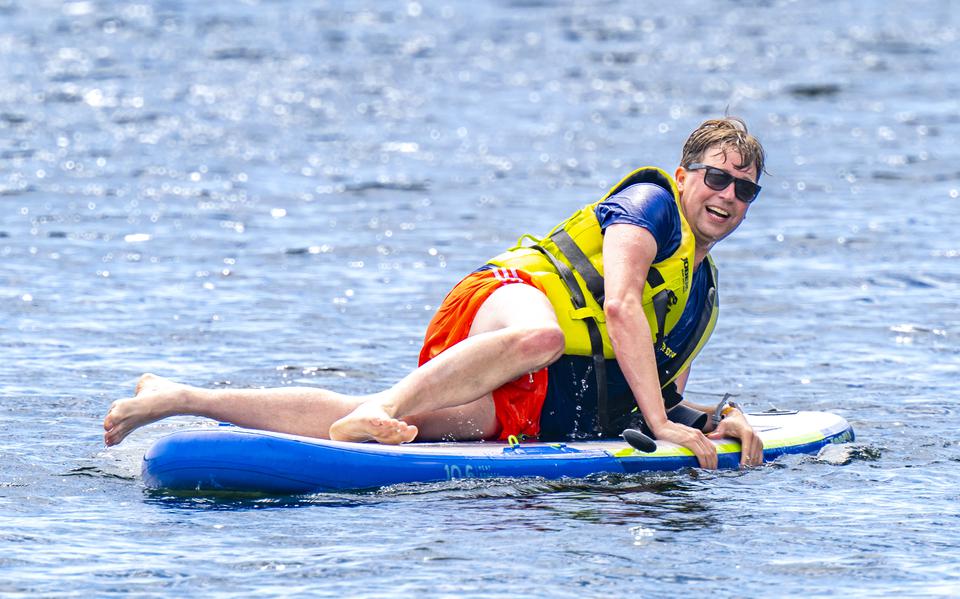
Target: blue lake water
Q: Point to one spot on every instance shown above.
(279, 193)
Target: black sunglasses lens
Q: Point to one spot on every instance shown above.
(718, 180)
(745, 190)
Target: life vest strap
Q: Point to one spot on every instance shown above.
(593, 329)
(661, 304)
(566, 275)
(654, 278)
(668, 370)
(600, 369)
(581, 263)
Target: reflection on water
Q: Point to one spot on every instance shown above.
(266, 194)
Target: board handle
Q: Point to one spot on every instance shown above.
(639, 441)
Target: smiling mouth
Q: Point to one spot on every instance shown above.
(718, 212)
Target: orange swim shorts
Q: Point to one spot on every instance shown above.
(518, 403)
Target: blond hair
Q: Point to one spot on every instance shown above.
(727, 133)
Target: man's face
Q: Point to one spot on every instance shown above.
(712, 214)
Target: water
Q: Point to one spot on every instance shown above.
(278, 193)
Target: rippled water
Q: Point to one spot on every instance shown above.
(273, 193)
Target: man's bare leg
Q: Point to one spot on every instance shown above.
(296, 410)
(474, 421)
(514, 332)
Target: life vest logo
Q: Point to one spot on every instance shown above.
(665, 350)
(686, 273)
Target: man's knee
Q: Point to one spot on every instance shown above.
(542, 344)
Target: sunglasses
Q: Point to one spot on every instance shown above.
(718, 180)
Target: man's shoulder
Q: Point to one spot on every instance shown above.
(645, 205)
(644, 196)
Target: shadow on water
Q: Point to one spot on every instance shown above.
(243, 501)
(610, 498)
(447, 491)
(97, 472)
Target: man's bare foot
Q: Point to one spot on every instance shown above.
(369, 422)
(155, 398)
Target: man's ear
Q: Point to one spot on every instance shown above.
(679, 175)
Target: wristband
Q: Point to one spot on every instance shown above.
(724, 408)
(730, 407)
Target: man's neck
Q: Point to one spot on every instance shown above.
(699, 254)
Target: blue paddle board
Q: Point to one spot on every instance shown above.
(227, 458)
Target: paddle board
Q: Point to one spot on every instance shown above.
(228, 458)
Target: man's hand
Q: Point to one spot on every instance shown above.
(735, 425)
(692, 439)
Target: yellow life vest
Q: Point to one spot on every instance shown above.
(568, 263)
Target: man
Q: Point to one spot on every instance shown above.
(614, 303)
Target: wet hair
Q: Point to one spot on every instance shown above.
(727, 133)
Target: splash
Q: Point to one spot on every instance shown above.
(847, 453)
